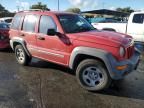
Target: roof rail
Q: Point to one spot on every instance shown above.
(32, 10)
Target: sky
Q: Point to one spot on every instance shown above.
(84, 5)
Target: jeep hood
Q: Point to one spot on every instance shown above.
(103, 37)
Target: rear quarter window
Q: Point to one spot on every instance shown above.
(16, 22)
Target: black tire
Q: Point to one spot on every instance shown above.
(24, 59)
(100, 73)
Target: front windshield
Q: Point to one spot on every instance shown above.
(74, 24)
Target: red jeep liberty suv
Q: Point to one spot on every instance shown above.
(97, 57)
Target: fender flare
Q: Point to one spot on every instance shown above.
(20, 41)
(98, 53)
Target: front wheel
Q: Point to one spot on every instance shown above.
(21, 55)
(92, 75)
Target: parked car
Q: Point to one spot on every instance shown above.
(134, 27)
(102, 20)
(6, 20)
(108, 20)
(68, 39)
(4, 35)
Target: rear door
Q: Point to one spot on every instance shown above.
(28, 32)
(136, 27)
(52, 48)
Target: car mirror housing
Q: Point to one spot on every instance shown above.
(51, 32)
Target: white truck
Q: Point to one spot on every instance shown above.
(134, 27)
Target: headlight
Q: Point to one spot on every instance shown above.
(122, 51)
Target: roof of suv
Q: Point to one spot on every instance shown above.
(48, 12)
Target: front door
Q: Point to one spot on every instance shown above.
(51, 48)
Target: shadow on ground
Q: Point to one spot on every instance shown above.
(131, 86)
(47, 85)
(7, 50)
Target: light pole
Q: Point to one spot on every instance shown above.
(58, 5)
(18, 8)
(103, 5)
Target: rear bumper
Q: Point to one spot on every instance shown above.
(131, 64)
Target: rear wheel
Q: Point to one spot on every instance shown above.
(21, 55)
(92, 75)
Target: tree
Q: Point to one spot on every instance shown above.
(4, 12)
(125, 10)
(39, 5)
(2, 9)
(74, 10)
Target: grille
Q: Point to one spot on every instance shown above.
(130, 51)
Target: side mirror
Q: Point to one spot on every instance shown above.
(51, 32)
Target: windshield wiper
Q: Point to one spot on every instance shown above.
(83, 29)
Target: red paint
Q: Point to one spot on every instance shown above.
(58, 49)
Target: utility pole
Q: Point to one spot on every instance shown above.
(103, 5)
(18, 8)
(58, 6)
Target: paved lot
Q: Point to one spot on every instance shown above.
(45, 85)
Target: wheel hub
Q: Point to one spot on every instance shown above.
(20, 55)
(92, 76)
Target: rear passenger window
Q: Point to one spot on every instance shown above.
(46, 22)
(138, 18)
(29, 23)
(16, 22)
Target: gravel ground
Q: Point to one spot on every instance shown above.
(46, 85)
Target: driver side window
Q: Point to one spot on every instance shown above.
(46, 22)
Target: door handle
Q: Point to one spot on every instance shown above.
(22, 35)
(41, 38)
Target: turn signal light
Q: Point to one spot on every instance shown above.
(121, 67)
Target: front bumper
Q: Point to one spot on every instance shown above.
(131, 63)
